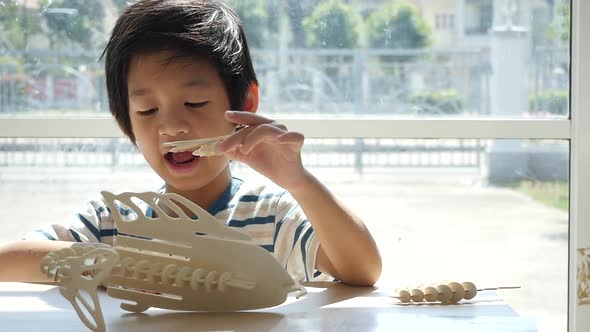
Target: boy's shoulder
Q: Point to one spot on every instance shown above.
(262, 197)
(258, 189)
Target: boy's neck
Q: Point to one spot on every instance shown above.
(207, 195)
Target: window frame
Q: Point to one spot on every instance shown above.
(576, 129)
(320, 127)
(579, 225)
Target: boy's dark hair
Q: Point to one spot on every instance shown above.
(186, 28)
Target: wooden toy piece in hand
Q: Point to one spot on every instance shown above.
(200, 147)
(211, 149)
(445, 293)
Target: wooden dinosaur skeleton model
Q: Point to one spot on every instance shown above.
(171, 261)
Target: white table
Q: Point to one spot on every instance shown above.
(327, 307)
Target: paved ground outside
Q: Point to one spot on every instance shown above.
(430, 226)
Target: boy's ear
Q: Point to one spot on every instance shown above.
(252, 99)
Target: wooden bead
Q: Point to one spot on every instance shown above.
(404, 296)
(458, 292)
(417, 295)
(430, 294)
(470, 290)
(444, 293)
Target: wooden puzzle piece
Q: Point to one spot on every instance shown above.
(181, 258)
(445, 293)
(200, 147)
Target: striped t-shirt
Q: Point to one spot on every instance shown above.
(267, 213)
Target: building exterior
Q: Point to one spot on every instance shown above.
(467, 23)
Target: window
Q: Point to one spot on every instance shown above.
(445, 21)
(478, 16)
(443, 151)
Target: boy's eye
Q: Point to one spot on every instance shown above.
(196, 105)
(148, 112)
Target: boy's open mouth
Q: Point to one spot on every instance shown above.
(180, 158)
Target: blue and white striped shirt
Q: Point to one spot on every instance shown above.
(267, 213)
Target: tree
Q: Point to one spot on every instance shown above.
(80, 22)
(295, 12)
(16, 23)
(563, 28)
(259, 25)
(332, 24)
(398, 25)
(120, 5)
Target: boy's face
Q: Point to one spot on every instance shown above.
(173, 101)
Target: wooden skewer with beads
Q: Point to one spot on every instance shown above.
(449, 293)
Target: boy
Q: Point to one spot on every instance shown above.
(173, 70)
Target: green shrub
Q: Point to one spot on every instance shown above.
(332, 24)
(258, 24)
(437, 102)
(11, 65)
(550, 101)
(398, 25)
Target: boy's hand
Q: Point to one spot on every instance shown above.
(268, 147)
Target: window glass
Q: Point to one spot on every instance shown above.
(408, 58)
(494, 212)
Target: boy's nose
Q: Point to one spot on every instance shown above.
(174, 127)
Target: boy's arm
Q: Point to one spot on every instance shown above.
(20, 261)
(347, 250)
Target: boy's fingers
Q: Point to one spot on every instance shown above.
(246, 118)
(235, 140)
(239, 137)
(292, 137)
(234, 155)
(262, 133)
